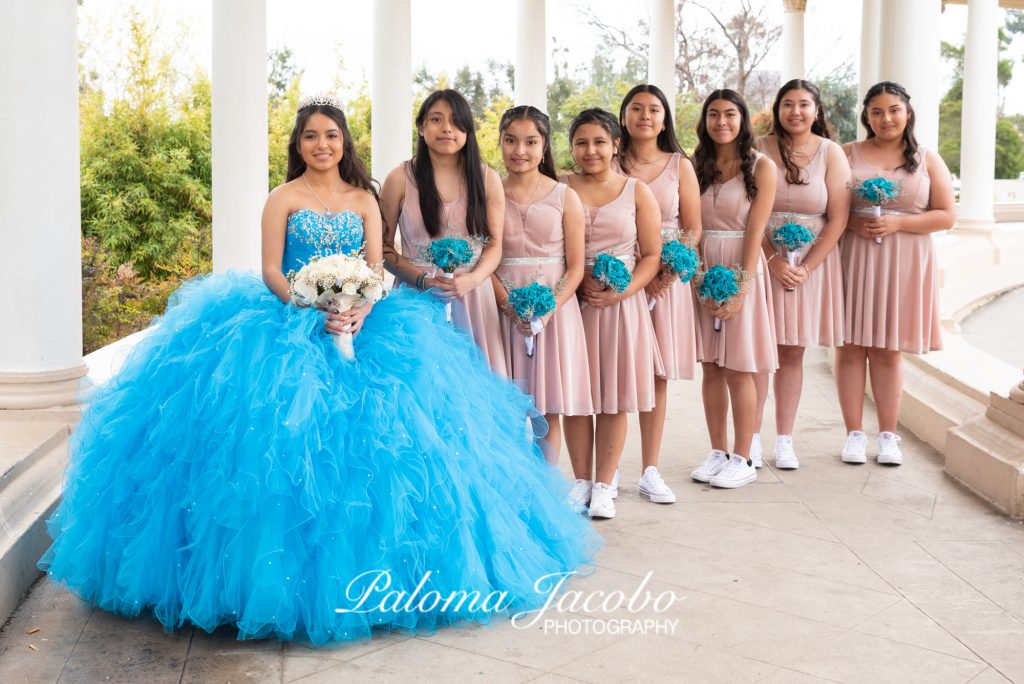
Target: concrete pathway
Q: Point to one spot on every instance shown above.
(998, 327)
(828, 573)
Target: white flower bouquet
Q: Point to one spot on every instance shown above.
(337, 283)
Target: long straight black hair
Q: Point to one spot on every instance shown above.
(910, 160)
(667, 140)
(350, 167)
(819, 127)
(542, 123)
(423, 170)
(705, 155)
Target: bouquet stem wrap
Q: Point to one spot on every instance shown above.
(536, 326)
(448, 305)
(340, 303)
(876, 212)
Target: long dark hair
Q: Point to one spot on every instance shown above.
(350, 168)
(910, 160)
(543, 124)
(667, 141)
(704, 156)
(819, 127)
(423, 170)
(601, 117)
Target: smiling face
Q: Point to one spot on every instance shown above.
(439, 131)
(887, 116)
(321, 143)
(593, 148)
(723, 121)
(645, 117)
(522, 146)
(797, 111)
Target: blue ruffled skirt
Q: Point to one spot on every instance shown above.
(238, 470)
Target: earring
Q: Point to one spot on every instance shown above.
(575, 168)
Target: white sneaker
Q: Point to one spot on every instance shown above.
(736, 473)
(756, 452)
(711, 466)
(889, 449)
(785, 458)
(602, 505)
(579, 495)
(615, 484)
(653, 486)
(856, 448)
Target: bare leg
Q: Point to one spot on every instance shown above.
(579, 440)
(715, 394)
(552, 444)
(789, 382)
(851, 379)
(761, 386)
(609, 438)
(652, 425)
(743, 395)
(886, 368)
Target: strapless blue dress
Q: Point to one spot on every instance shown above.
(238, 470)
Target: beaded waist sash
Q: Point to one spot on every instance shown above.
(670, 233)
(628, 260)
(798, 217)
(532, 261)
(893, 212)
(734, 234)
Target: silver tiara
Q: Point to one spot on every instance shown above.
(318, 100)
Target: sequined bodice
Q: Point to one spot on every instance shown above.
(311, 234)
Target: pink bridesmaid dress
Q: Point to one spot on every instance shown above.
(477, 312)
(746, 342)
(892, 294)
(621, 346)
(812, 314)
(533, 250)
(674, 318)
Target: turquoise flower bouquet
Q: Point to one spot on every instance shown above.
(720, 284)
(449, 254)
(531, 303)
(679, 258)
(877, 191)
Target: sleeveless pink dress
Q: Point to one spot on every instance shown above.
(747, 341)
(621, 346)
(477, 312)
(812, 314)
(892, 294)
(533, 250)
(674, 318)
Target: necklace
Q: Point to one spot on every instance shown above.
(519, 205)
(328, 214)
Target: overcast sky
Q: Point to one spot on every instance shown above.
(321, 33)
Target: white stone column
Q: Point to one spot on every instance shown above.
(870, 44)
(391, 85)
(909, 55)
(978, 137)
(531, 75)
(661, 58)
(793, 40)
(239, 131)
(40, 207)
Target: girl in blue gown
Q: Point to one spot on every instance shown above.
(238, 470)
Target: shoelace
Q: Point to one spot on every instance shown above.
(654, 480)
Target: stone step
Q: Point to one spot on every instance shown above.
(23, 443)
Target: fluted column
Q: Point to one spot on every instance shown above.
(909, 55)
(531, 54)
(978, 128)
(793, 40)
(661, 58)
(239, 131)
(40, 214)
(870, 43)
(391, 85)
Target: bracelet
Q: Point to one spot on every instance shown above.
(769, 259)
(419, 280)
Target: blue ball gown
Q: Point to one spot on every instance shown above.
(238, 470)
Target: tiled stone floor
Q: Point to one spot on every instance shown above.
(828, 573)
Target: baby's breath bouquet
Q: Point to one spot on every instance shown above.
(337, 283)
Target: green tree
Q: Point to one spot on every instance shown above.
(839, 97)
(1009, 150)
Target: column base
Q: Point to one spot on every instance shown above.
(41, 390)
(975, 225)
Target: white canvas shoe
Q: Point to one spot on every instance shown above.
(579, 495)
(856, 448)
(785, 457)
(756, 451)
(615, 484)
(652, 486)
(736, 473)
(711, 466)
(889, 449)
(602, 505)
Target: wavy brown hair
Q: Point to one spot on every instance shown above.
(910, 146)
(705, 156)
(820, 126)
(667, 140)
(351, 168)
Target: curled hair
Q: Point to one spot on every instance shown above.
(819, 127)
(542, 123)
(704, 157)
(667, 141)
(596, 115)
(910, 157)
(423, 169)
(350, 167)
